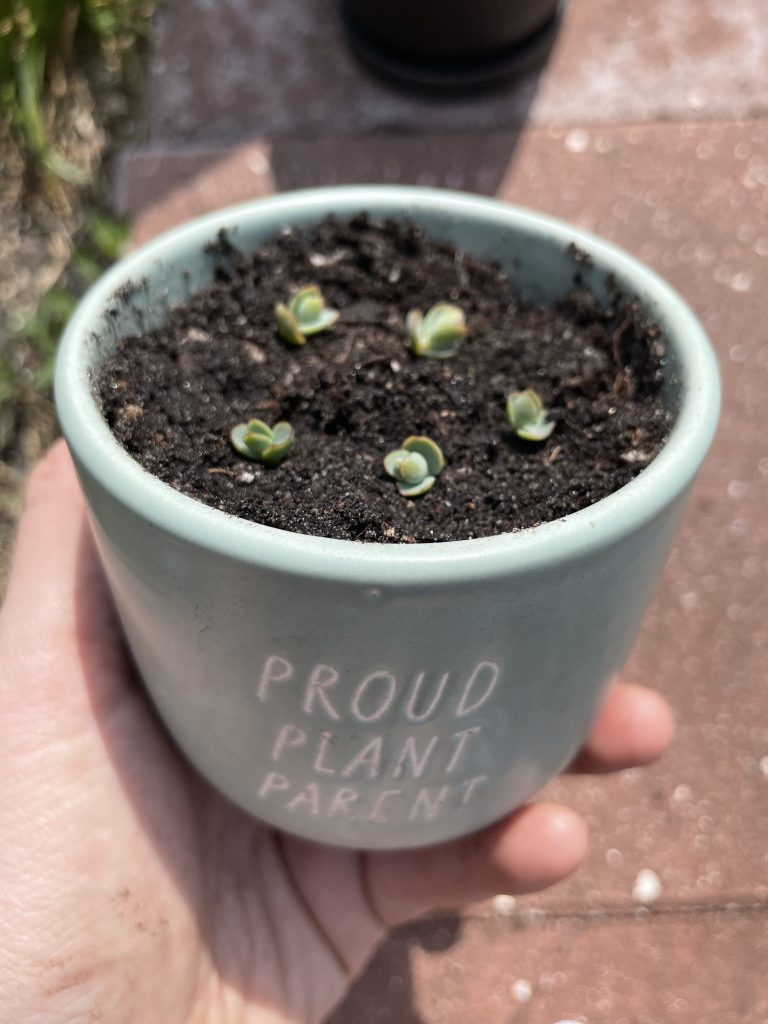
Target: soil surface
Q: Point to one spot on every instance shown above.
(356, 392)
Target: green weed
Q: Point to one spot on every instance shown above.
(39, 40)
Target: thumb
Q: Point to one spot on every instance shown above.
(39, 604)
(60, 644)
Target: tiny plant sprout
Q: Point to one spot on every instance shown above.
(527, 416)
(438, 333)
(415, 465)
(306, 313)
(262, 443)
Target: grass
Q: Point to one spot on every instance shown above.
(39, 42)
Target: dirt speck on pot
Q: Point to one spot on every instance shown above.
(355, 392)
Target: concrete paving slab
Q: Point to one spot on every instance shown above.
(475, 162)
(235, 69)
(707, 969)
(169, 187)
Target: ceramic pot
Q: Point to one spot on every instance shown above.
(451, 44)
(370, 695)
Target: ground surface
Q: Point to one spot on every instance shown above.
(649, 127)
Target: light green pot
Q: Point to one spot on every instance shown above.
(374, 695)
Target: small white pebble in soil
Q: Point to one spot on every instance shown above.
(195, 334)
(521, 990)
(647, 887)
(635, 455)
(504, 904)
(246, 478)
(681, 794)
(255, 354)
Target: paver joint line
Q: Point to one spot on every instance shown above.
(536, 917)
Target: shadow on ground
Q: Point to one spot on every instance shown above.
(385, 993)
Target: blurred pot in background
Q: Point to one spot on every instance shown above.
(444, 44)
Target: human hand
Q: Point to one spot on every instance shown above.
(133, 893)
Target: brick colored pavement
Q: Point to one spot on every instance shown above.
(685, 189)
(232, 69)
(675, 968)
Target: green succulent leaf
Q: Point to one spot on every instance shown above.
(288, 326)
(274, 455)
(305, 314)
(237, 437)
(413, 322)
(283, 435)
(527, 416)
(438, 334)
(445, 319)
(536, 431)
(325, 319)
(427, 448)
(259, 427)
(257, 444)
(258, 441)
(307, 304)
(412, 469)
(414, 490)
(392, 460)
(415, 465)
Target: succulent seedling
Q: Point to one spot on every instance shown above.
(527, 416)
(415, 465)
(438, 333)
(306, 313)
(258, 441)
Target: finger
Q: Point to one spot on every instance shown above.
(634, 727)
(39, 599)
(533, 848)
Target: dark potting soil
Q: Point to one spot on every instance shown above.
(356, 392)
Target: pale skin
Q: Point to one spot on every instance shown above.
(132, 893)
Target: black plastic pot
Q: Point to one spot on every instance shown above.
(444, 44)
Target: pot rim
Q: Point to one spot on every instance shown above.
(626, 510)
